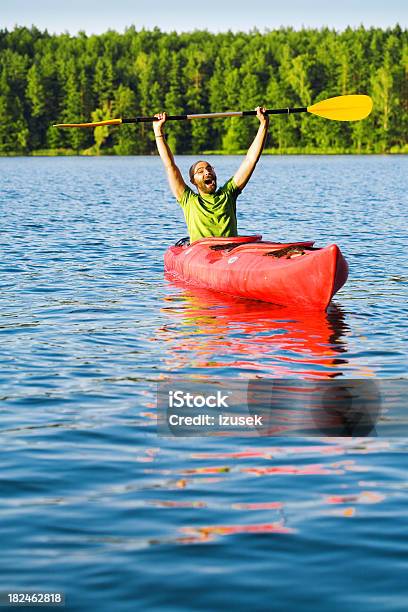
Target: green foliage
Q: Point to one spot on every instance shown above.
(124, 105)
(14, 131)
(46, 79)
(101, 133)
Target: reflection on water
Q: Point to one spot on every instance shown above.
(221, 334)
(282, 489)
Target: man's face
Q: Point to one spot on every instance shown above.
(205, 178)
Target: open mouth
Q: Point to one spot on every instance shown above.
(209, 182)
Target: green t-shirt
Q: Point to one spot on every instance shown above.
(213, 214)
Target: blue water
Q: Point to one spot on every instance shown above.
(95, 503)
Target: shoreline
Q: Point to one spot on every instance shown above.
(275, 152)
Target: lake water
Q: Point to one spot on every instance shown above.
(93, 501)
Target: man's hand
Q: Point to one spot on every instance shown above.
(158, 125)
(263, 118)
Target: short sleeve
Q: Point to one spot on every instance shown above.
(185, 196)
(231, 189)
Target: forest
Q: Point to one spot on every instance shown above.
(47, 78)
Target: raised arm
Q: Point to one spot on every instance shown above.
(176, 182)
(244, 172)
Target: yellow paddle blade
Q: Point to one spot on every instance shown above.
(343, 108)
(88, 125)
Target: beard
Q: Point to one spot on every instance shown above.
(208, 187)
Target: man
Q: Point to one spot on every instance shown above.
(211, 211)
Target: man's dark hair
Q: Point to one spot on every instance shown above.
(192, 170)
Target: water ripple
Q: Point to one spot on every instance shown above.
(93, 501)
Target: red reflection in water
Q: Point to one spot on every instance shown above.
(272, 452)
(201, 534)
(217, 330)
(318, 469)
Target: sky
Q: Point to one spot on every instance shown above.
(96, 16)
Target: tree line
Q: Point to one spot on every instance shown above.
(46, 78)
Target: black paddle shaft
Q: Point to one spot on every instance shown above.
(279, 111)
(276, 111)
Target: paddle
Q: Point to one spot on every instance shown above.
(340, 108)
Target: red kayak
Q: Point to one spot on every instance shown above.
(295, 274)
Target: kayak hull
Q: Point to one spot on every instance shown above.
(247, 267)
